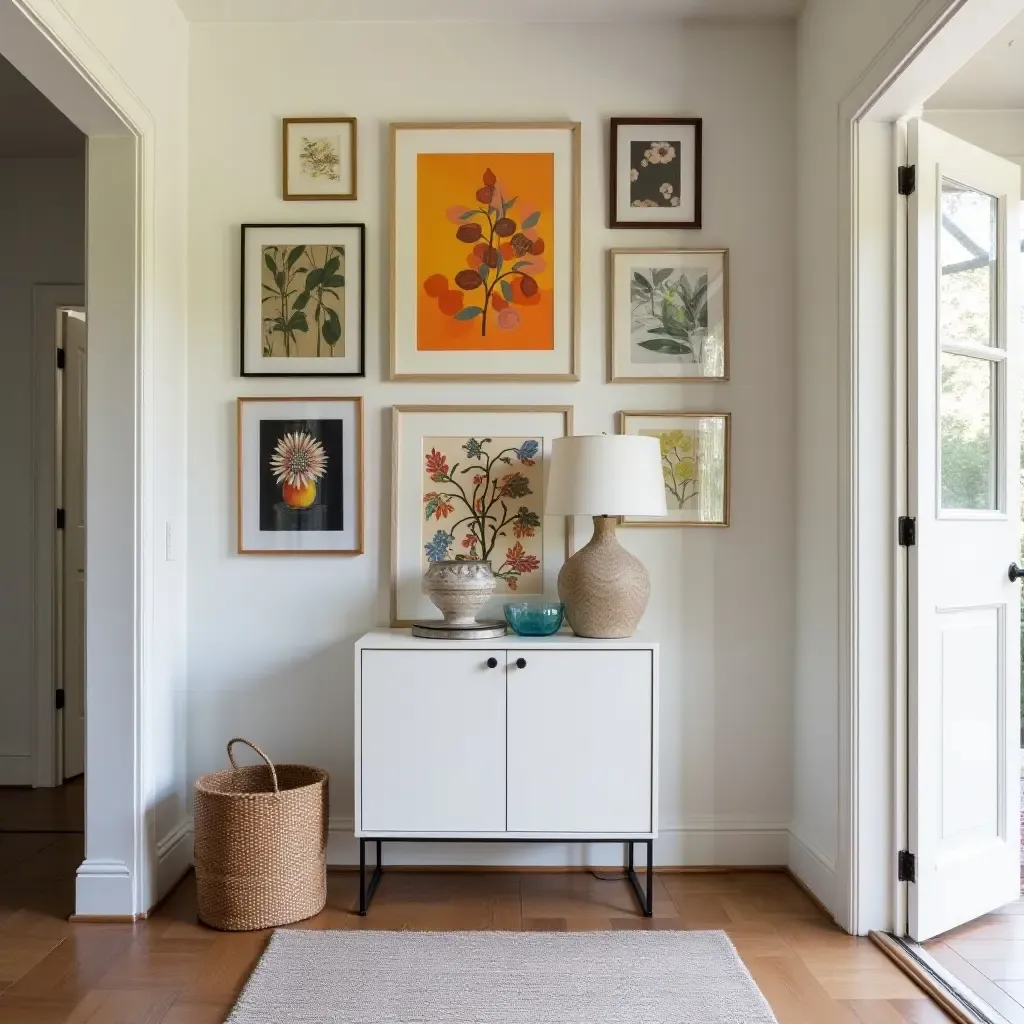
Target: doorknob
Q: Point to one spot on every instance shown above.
(492, 662)
(521, 662)
(1014, 573)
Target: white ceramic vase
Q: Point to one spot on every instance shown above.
(459, 588)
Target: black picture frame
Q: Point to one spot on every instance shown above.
(615, 221)
(251, 371)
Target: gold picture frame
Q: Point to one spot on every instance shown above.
(409, 360)
(626, 334)
(427, 421)
(323, 153)
(341, 514)
(692, 478)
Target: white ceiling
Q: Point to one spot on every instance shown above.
(477, 10)
(30, 125)
(993, 79)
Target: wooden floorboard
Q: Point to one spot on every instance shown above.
(169, 969)
(987, 955)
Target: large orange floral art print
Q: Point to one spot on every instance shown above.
(484, 251)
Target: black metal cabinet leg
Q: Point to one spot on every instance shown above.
(649, 910)
(362, 877)
(366, 892)
(645, 899)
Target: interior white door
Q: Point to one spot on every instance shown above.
(72, 498)
(580, 741)
(432, 742)
(964, 370)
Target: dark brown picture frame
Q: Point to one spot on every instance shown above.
(334, 197)
(613, 185)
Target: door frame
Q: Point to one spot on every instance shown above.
(118, 877)
(47, 301)
(934, 42)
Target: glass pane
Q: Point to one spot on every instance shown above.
(968, 435)
(968, 291)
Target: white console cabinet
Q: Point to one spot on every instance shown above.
(523, 739)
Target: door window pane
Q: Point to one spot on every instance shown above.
(968, 435)
(968, 253)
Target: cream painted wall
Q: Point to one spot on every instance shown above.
(999, 131)
(270, 639)
(42, 241)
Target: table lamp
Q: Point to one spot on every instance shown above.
(603, 587)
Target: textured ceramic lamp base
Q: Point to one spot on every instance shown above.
(604, 588)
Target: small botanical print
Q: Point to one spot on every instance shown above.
(669, 321)
(301, 486)
(694, 465)
(303, 300)
(320, 156)
(483, 251)
(482, 499)
(655, 175)
(680, 466)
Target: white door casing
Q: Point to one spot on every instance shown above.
(964, 372)
(71, 496)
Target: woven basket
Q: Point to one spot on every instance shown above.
(260, 844)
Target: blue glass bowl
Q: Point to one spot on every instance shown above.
(535, 618)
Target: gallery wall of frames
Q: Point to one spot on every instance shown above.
(404, 286)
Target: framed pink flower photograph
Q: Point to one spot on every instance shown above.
(655, 172)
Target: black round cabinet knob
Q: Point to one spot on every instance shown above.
(520, 663)
(492, 662)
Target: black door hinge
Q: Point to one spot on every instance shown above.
(906, 867)
(60, 359)
(60, 698)
(906, 179)
(60, 519)
(907, 531)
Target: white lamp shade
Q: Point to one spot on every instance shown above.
(606, 475)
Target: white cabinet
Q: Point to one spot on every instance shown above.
(433, 742)
(580, 739)
(543, 738)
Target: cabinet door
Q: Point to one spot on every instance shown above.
(580, 732)
(433, 742)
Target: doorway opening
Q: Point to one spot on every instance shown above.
(42, 415)
(950, 125)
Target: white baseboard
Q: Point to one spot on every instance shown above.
(15, 769)
(698, 844)
(103, 888)
(173, 857)
(814, 869)
(704, 843)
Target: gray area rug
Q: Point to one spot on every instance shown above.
(655, 977)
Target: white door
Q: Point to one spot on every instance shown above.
(964, 372)
(432, 743)
(71, 496)
(580, 741)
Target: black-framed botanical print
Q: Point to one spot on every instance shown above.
(303, 300)
(300, 476)
(655, 172)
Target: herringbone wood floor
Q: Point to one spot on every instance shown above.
(171, 969)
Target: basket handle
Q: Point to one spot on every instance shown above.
(249, 743)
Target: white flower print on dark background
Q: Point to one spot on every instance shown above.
(655, 174)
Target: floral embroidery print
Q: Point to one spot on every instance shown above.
(655, 175)
(488, 504)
